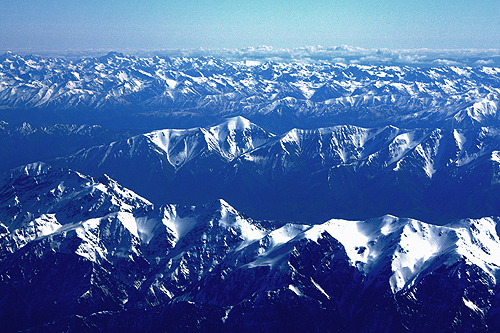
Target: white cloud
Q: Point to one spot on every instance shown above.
(483, 62)
(339, 54)
(446, 62)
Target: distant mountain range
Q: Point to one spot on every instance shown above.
(79, 253)
(124, 92)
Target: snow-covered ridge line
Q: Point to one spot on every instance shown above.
(237, 137)
(108, 248)
(243, 163)
(412, 249)
(459, 96)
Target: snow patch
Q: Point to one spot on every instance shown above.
(179, 225)
(495, 156)
(129, 222)
(295, 290)
(460, 139)
(319, 288)
(471, 305)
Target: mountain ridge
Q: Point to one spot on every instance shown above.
(215, 263)
(286, 176)
(124, 92)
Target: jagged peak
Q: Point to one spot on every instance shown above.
(8, 55)
(236, 124)
(220, 205)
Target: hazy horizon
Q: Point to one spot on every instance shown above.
(52, 25)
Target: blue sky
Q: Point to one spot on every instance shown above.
(36, 25)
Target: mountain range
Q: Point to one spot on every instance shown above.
(124, 92)
(310, 175)
(160, 193)
(79, 253)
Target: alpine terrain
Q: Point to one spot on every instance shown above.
(179, 194)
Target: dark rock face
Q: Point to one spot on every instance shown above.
(131, 267)
(434, 175)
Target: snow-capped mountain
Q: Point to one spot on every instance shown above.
(435, 175)
(87, 254)
(183, 161)
(122, 91)
(373, 191)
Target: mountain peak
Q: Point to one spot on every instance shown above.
(7, 55)
(238, 123)
(219, 205)
(32, 169)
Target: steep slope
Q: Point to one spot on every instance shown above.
(119, 263)
(172, 165)
(345, 171)
(66, 242)
(38, 189)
